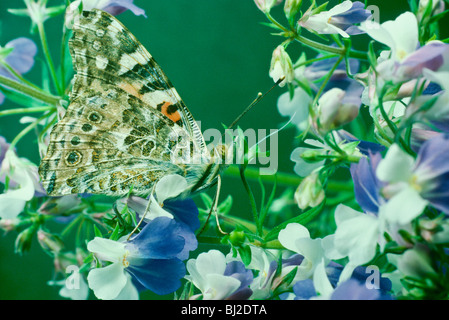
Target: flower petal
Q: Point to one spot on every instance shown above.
(170, 186)
(107, 249)
(396, 166)
(159, 276)
(292, 232)
(356, 235)
(405, 206)
(159, 239)
(107, 282)
(221, 286)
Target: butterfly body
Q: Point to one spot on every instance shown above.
(126, 126)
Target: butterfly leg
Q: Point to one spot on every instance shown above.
(147, 209)
(215, 205)
(213, 208)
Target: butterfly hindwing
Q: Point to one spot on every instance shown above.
(107, 143)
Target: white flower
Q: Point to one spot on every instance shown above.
(22, 177)
(401, 36)
(207, 274)
(405, 184)
(111, 281)
(296, 238)
(77, 293)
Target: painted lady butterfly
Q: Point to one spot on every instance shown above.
(126, 126)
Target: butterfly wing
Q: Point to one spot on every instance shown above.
(102, 43)
(125, 121)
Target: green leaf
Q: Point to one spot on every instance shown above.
(271, 25)
(245, 254)
(18, 97)
(225, 206)
(115, 234)
(207, 200)
(97, 232)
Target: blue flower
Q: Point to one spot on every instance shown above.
(20, 59)
(151, 258)
(168, 201)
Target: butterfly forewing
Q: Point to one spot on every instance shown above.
(125, 121)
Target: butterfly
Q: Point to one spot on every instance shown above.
(126, 126)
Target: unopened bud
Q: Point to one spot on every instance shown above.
(281, 66)
(310, 192)
(333, 112)
(291, 8)
(266, 5)
(50, 242)
(24, 239)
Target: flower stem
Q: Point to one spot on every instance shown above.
(25, 110)
(48, 57)
(29, 91)
(322, 47)
(251, 199)
(282, 178)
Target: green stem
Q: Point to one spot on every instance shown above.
(322, 47)
(282, 178)
(329, 75)
(251, 199)
(330, 56)
(25, 110)
(19, 76)
(48, 57)
(29, 91)
(319, 46)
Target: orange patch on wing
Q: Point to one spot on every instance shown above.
(130, 89)
(174, 116)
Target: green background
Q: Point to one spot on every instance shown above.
(215, 52)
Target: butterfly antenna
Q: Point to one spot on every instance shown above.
(255, 101)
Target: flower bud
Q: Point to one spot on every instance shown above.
(310, 192)
(416, 263)
(50, 242)
(24, 239)
(9, 224)
(437, 6)
(334, 112)
(281, 66)
(291, 8)
(266, 5)
(72, 13)
(60, 206)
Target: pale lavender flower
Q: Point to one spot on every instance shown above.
(20, 59)
(340, 19)
(114, 7)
